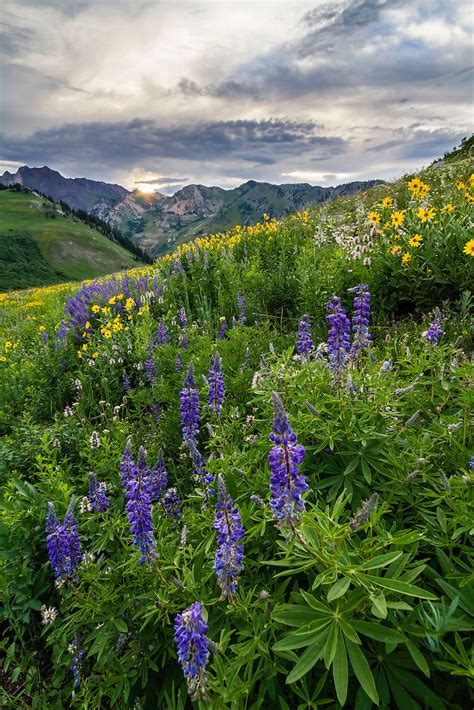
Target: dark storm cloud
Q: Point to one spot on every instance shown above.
(417, 141)
(126, 143)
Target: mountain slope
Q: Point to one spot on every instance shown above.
(80, 193)
(39, 245)
(196, 209)
(158, 222)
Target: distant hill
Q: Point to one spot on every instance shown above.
(157, 222)
(80, 193)
(197, 209)
(40, 245)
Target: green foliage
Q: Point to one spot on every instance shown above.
(328, 614)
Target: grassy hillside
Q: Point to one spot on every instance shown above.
(278, 423)
(40, 246)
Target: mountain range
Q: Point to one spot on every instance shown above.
(158, 222)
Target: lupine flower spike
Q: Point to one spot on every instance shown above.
(216, 384)
(189, 407)
(97, 498)
(241, 308)
(304, 345)
(138, 506)
(193, 649)
(228, 561)
(360, 320)
(363, 514)
(338, 337)
(284, 460)
(435, 330)
(172, 505)
(76, 665)
(64, 547)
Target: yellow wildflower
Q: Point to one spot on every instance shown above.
(374, 217)
(469, 248)
(398, 217)
(41, 329)
(265, 216)
(416, 240)
(460, 185)
(107, 334)
(447, 209)
(396, 250)
(387, 202)
(129, 304)
(469, 198)
(112, 300)
(3, 358)
(8, 344)
(414, 185)
(426, 215)
(406, 258)
(95, 308)
(95, 355)
(87, 325)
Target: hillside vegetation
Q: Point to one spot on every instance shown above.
(243, 477)
(40, 245)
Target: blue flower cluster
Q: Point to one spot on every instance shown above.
(64, 546)
(97, 498)
(193, 648)
(435, 331)
(284, 459)
(241, 307)
(216, 384)
(142, 486)
(228, 561)
(339, 337)
(304, 345)
(360, 319)
(189, 407)
(163, 335)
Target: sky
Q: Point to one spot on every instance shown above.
(163, 93)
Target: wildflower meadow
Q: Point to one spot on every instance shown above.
(242, 477)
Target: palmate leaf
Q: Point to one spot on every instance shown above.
(302, 638)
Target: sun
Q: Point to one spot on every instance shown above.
(143, 187)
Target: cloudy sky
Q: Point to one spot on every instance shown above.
(162, 93)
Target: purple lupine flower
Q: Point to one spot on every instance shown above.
(183, 343)
(360, 320)
(216, 384)
(222, 329)
(172, 505)
(304, 345)
(97, 498)
(127, 465)
(150, 369)
(193, 649)
(138, 506)
(284, 459)
(228, 561)
(471, 463)
(157, 478)
(201, 474)
(163, 335)
(338, 337)
(246, 363)
(189, 407)
(178, 363)
(155, 411)
(435, 330)
(241, 307)
(364, 512)
(76, 666)
(44, 337)
(126, 386)
(64, 547)
(182, 318)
